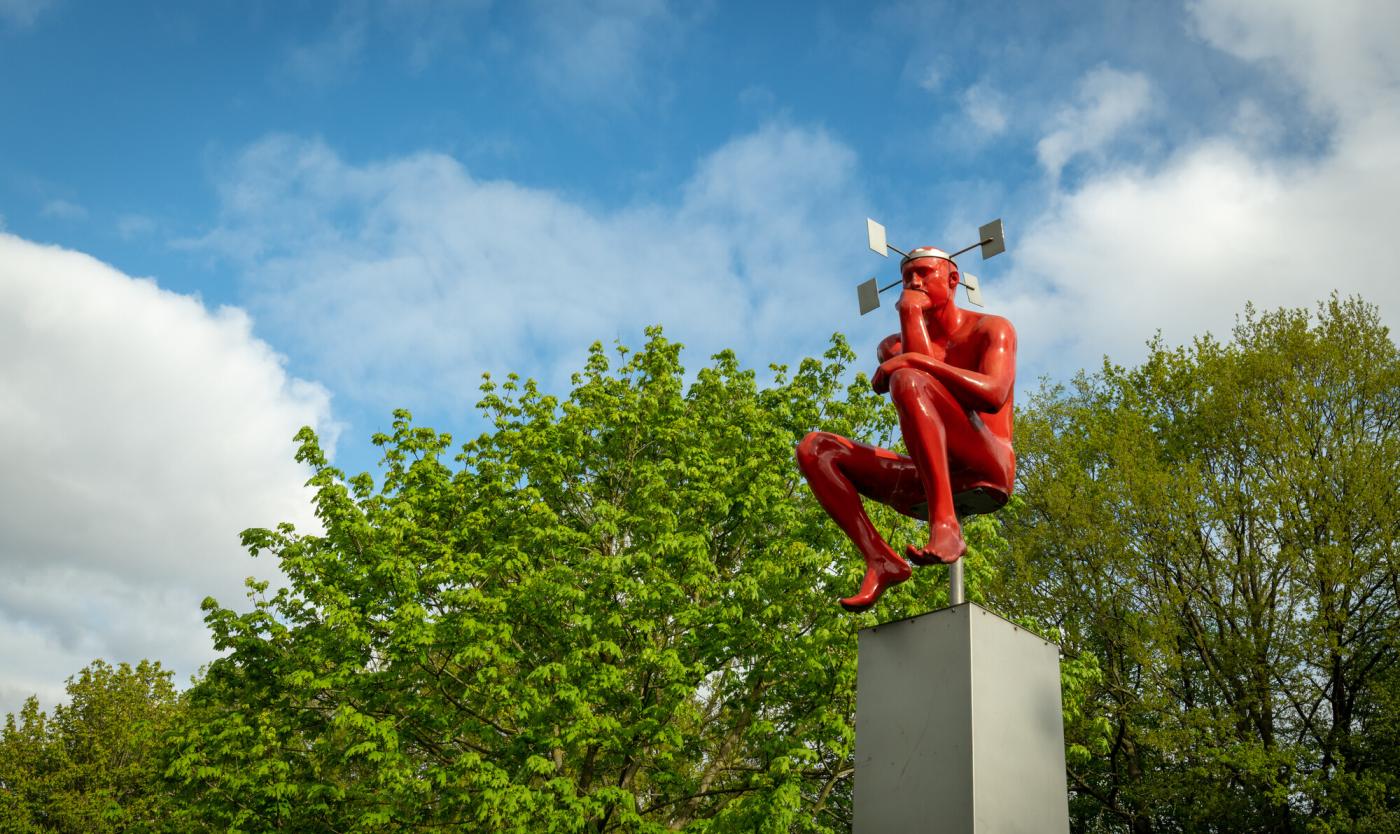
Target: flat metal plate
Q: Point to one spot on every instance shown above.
(995, 237)
(1018, 778)
(974, 289)
(869, 294)
(876, 235)
(914, 727)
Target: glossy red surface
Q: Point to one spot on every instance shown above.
(951, 374)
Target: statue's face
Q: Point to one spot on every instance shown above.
(935, 277)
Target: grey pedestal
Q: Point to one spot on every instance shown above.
(958, 728)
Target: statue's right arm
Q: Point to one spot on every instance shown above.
(987, 388)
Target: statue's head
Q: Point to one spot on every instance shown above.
(931, 271)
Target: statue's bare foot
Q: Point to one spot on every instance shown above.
(881, 574)
(945, 545)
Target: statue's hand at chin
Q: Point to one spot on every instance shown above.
(913, 300)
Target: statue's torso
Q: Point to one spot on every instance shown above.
(967, 348)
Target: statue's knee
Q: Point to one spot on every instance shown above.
(814, 447)
(907, 384)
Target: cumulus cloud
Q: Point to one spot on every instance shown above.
(1107, 101)
(985, 107)
(1183, 245)
(1342, 54)
(140, 433)
(401, 281)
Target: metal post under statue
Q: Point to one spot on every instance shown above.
(955, 583)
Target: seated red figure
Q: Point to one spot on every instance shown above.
(950, 373)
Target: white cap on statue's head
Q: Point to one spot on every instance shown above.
(924, 252)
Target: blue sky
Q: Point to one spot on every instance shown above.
(221, 221)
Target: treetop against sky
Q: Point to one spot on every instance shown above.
(221, 222)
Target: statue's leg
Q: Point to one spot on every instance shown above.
(839, 471)
(936, 428)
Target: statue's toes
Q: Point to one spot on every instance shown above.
(921, 556)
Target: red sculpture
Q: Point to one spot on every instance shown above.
(950, 373)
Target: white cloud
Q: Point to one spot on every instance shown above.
(985, 107)
(63, 210)
(403, 280)
(23, 13)
(1341, 53)
(1107, 101)
(140, 433)
(1255, 127)
(1181, 247)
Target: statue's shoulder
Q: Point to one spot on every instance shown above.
(994, 326)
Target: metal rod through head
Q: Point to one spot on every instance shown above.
(970, 248)
(901, 281)
(950, 257)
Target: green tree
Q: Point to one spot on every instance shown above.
(96, 764)
(616, 613)
(1216, 527)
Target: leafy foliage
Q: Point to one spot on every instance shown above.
(95, 765)
(615, 613)
(1217, 529)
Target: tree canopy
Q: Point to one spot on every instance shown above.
(615, 612)
(95, 765)
(1218, 527)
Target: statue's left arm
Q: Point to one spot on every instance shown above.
(889, 347)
